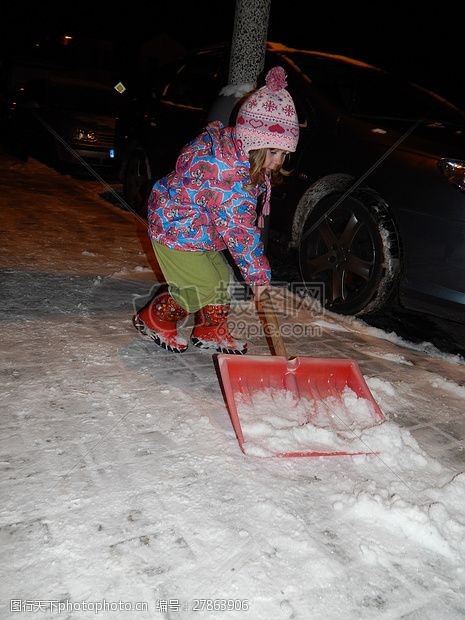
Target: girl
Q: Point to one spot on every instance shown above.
(208, 204)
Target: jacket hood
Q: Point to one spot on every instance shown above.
(224, 144)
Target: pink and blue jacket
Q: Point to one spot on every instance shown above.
(203, 204)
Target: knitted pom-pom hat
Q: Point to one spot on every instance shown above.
(267, 119)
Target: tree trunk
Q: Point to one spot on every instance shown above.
(247, 56)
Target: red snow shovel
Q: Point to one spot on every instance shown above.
(300, 380)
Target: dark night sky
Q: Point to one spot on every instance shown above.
(425, 47)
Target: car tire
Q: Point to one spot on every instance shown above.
(352, 256)
(137, 180)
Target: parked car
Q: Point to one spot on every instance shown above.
(375, 204)
(64, 120)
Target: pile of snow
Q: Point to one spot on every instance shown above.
(274, 422)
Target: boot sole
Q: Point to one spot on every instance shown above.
(200, 344)
(142, 329)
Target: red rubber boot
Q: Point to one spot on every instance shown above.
(211, 331)
(158, 320)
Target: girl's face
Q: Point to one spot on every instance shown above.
(274, 160)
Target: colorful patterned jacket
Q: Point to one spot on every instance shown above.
(203, 205)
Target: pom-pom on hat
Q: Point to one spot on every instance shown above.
(267, 119)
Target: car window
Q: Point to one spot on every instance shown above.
(87, 97)
(198, 81)
(331, 78)
(364, 91)
(84, 98)
(383, 96)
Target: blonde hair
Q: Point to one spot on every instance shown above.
(257, 176)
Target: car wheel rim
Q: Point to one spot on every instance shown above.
(345, 255)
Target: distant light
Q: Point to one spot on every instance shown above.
(84, 135)
(454, 171)
(66, 39)
(112, 153)
(120, 88)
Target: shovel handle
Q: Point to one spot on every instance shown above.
(271, 324)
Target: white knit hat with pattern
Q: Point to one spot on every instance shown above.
(267, 119)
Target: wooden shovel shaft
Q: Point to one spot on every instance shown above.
(271, 324)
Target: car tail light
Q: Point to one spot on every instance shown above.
(454, 171)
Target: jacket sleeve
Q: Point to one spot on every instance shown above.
(234, 219)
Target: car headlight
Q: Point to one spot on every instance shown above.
(454, 171)
(84, 135)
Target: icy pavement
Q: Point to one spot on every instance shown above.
(123, 486)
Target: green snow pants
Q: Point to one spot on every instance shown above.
(195, 279)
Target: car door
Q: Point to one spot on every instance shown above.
(430, 210)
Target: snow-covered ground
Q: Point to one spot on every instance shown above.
(123, 485)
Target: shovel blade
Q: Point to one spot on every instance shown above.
(313, 379)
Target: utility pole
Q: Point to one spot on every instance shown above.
(247, 55)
